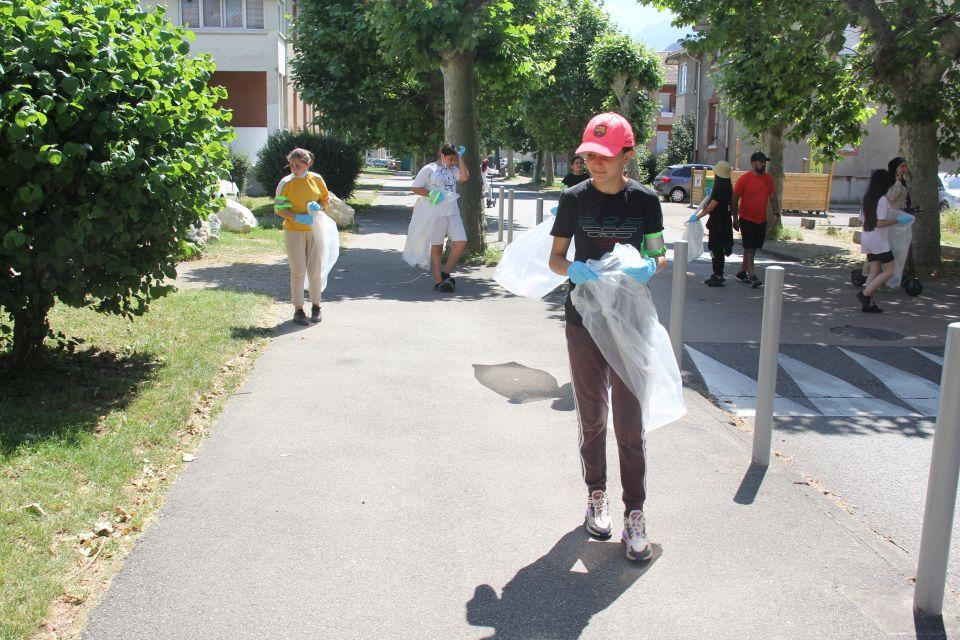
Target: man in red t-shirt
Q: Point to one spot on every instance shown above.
(751, 194)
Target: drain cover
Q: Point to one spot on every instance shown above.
(866, 333)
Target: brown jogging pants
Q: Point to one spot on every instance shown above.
(591, 376)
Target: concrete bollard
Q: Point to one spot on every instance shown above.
(767, 375)
(941, 486)
(677, 296)
(539, 210)
(500, 220)
(510, 218)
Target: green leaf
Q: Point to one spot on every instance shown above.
(14, 239)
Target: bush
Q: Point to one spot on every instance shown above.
(524, 167)
(338, 163)
(239, 169)
(649, 165)
(112, 145)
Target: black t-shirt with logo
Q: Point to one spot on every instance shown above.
(573, 179)
(597, 221)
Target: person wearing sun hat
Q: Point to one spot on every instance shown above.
(753, 191)
(599, 213)
(719, 224)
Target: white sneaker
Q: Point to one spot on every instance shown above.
(635, 536)
(597, 520)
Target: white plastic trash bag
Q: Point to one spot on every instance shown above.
(620, 316)
(524, 269)
(327, 236)
(416, 249)
(693, 234)
(899, 236)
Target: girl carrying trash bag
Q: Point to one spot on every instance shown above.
(294, 194)
(599, 213)
(436, 216)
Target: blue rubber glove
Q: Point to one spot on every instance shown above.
(580, 273)
(436, 195)
(553, 210)
(693, 218)
(304, 218)
(314, 207)
(905, 218)
(461, 150)
(644, 273)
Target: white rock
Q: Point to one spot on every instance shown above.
(340, 211)
(228, 190)
(199, 234)
(237, 218)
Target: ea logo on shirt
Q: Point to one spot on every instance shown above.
(600, 130)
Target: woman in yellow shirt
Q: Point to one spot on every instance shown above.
(294, 193)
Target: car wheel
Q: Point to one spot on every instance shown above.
(678, 195)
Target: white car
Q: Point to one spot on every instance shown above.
(949, 191)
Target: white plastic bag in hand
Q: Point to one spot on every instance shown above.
(620, 316)
(327, 237)
(693, 234)
(524, 269)
(416, 249)
(899, 236)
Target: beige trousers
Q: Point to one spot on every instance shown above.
(305, 259)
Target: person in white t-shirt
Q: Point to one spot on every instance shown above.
(876, 215)
(436, 183)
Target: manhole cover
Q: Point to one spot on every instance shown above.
(866, 333)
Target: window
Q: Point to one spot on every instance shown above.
(713, 124)
(218, 14)
(682, 78)
(682, 172)
(664, 100)
(282, 17)
(663, 137)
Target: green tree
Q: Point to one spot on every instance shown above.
(628, 69)
(556, 114)
(467, 39)
(811, 81)
(680, 147)
(365, 97)
(112, 147)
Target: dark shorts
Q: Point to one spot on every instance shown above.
(753, 233)
(882, 258)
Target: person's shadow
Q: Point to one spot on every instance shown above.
(556, 596)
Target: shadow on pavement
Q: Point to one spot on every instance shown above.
(556, 596)
(750, 485)
(519, 383)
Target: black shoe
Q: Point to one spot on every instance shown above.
(300, 318)
(864, 300)
(755, 282)
(315, 313)
(743, 277)
(447, 286)
(871, 308)
(713, 281)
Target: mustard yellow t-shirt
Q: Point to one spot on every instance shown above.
(300, 191)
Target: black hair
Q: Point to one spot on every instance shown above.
(447, 150)
(875, 190)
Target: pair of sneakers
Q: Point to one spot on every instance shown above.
(598, 524)
(300, 317)
(753, 280)
(867, 305)
(447, 284)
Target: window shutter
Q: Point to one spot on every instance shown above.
(212, 16)
(190, 13)
(254, 14)
(234, 14)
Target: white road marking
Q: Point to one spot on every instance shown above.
(919, 393)
(929, 356)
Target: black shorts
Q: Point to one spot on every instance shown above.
(882, 258)
(753, 233)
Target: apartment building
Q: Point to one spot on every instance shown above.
(251, 43)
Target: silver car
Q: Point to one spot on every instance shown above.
(673, 183)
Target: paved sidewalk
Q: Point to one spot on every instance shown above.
(409, 469)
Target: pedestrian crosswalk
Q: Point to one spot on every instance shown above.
(815, 380)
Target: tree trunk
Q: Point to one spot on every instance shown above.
(551, 176)
(920, 150)
(538, 168)
(773, 140)
(511, 170)
(460, 128)
(625, 98)
(30, 328)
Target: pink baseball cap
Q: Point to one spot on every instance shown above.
(606, 134)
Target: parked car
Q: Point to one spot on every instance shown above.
(949, 185)
(393, 163)
(377, 162)
(673, 183)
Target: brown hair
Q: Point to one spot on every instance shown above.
(300, 154)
